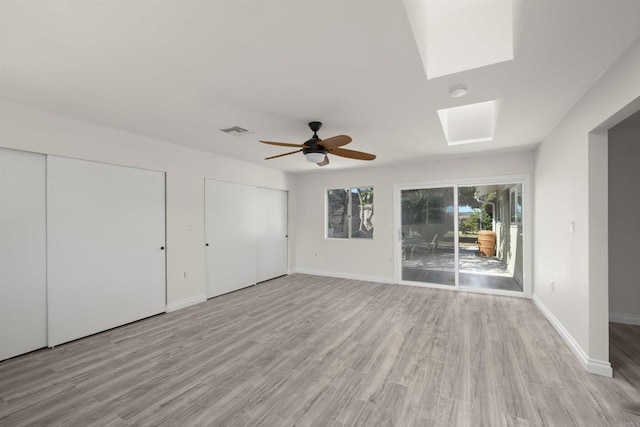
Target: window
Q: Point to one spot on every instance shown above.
(350, 213)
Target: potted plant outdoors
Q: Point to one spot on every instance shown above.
(486, 235)
(479, 222)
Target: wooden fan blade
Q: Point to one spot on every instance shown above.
(285, 154)
(325, 162)
(351, 154)
(283, 144)
(335, 141)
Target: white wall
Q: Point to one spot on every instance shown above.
(570, 186)
(624, 226)
(28, 129)
(374, 259)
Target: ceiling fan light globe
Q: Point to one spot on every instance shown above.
(315, 157)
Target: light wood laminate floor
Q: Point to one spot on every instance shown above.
(307, 350)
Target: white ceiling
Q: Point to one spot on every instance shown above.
(180, 70)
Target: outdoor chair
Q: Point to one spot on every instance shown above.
(427, 247)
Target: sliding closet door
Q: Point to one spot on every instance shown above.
(272, 233)
(106, 238)
(23, 281)
(230, 236)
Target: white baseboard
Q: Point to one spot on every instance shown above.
(364, 278)
(599, 367)
(184, 303)
(594, 366)
(629, 319)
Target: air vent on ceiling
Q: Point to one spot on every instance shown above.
(235, 130)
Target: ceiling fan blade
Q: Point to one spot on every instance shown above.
(335, 141)
(325, 162)
(351, 154)
(283, 144)
(280, 155)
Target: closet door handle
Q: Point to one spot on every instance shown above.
(162, 248)
(206, 244)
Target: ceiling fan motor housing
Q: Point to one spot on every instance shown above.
(314, 148)
(311, 146)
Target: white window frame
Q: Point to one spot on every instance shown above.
(349, 213)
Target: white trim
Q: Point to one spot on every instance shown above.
(464, 182)
(184, 303)
(628, 319)
(599, 367)
(594, 366)
(351, 276)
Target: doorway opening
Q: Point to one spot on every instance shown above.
(623, 151)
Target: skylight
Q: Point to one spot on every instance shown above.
(469, 123)
(459, 35)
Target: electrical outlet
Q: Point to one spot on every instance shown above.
(185, 274)
(552, 284)
(316, 253)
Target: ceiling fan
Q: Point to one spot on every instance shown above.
(316, 150)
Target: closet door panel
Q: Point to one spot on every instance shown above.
(272, 233)
(106, 238)
(230, 233)
(23, 292)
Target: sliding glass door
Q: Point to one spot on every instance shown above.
(428, 235)
(463, 236)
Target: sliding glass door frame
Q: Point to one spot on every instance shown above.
(456, 184)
